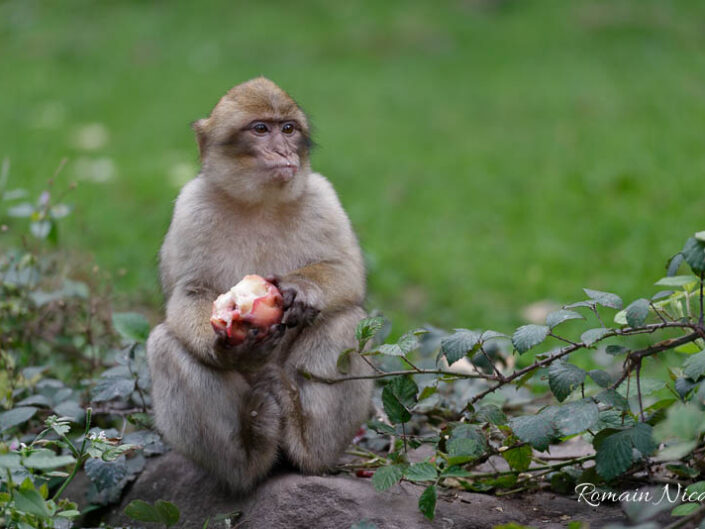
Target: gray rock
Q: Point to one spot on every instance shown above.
(289, 500)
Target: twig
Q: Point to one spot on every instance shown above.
(384, 374)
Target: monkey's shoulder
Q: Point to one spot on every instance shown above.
(323, 201)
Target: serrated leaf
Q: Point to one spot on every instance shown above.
(676, 281)
(685, 509)
(408, 342)
(694, 366)
(518, 458)
(15, 417)
(427, 502)
(390, 349)
(421, 472)
(132, 326)
(385, 477)
(537, 430)
(600, 377)
(492, 414)
(614, 455)
(591, 336)
(694, 254)
(606, 299)
(405, 389)
(367, 328)
(30, 501)
(637, 312)
(559, 316)
(458, 344)
(466, 441)
(112, 388)
(528, 336)
(563, 378)
(455, 471)
(168, 512)
(395, 410)
(576, 417)
(642, 439)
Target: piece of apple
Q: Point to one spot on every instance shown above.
(254, 303)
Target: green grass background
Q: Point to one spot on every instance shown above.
(490, 154)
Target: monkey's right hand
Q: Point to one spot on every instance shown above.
(251, 354)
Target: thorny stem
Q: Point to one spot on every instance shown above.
(638, 389)
(701, 320)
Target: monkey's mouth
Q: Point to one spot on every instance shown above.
(283, 172)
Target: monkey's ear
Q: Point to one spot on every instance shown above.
(199, 128)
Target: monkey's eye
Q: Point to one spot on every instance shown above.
(288, 128)
(260, 128)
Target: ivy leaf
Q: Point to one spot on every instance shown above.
(537, 430)
(16, 416)
(600, 377)
(385, 477)
(518, 458)
(559, 316)
(427, 502)
(614, 454)
(563, 378)
(694, 254)
(694, 366)
(528, 336)
(132, 326)
(637, 312)
(421, 472)
(606, 299)
(576, 417)
(459, 344)
(591, 336)
(112, 388)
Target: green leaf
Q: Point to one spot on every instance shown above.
(576, 417)
(105, 474)
(405, 389)
(421, 472)
(637, 312)
(694, 254)
(385, 477)
(612, 398)
(427, 392)
(408, 342)
(458, 344)
(367, 328)
(615, 350)
(455, 471)
(694, 366)
(343, 363)
(684, 421)
(606, 299)
(16, 416)
(563, 378)
(676, 281)
(600, 377)
(528, 336)
(492, 414)
(397, 397)
(142, 511)
(614, 455)
(642, 439)
(381, 428)
(132, 326)
(559, 316)
(427, 502)
(395, 410)
(168, 512)
(518, 458)
(685, 509)
(695, 488)
(591, 336)
(537, 430)
(46, 460)
(30, 501)
(10, 461)
(112, 388)
(22, 210)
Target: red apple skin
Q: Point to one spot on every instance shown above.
(267, 310)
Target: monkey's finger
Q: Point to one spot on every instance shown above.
(274, 280)
(289, 296)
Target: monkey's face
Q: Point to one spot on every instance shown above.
(256, 143)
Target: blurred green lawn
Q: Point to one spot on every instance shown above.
(490, 154)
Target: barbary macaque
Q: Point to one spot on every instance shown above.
(237, 401)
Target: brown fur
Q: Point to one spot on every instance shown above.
(236, 218)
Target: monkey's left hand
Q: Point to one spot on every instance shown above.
(301, 301)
